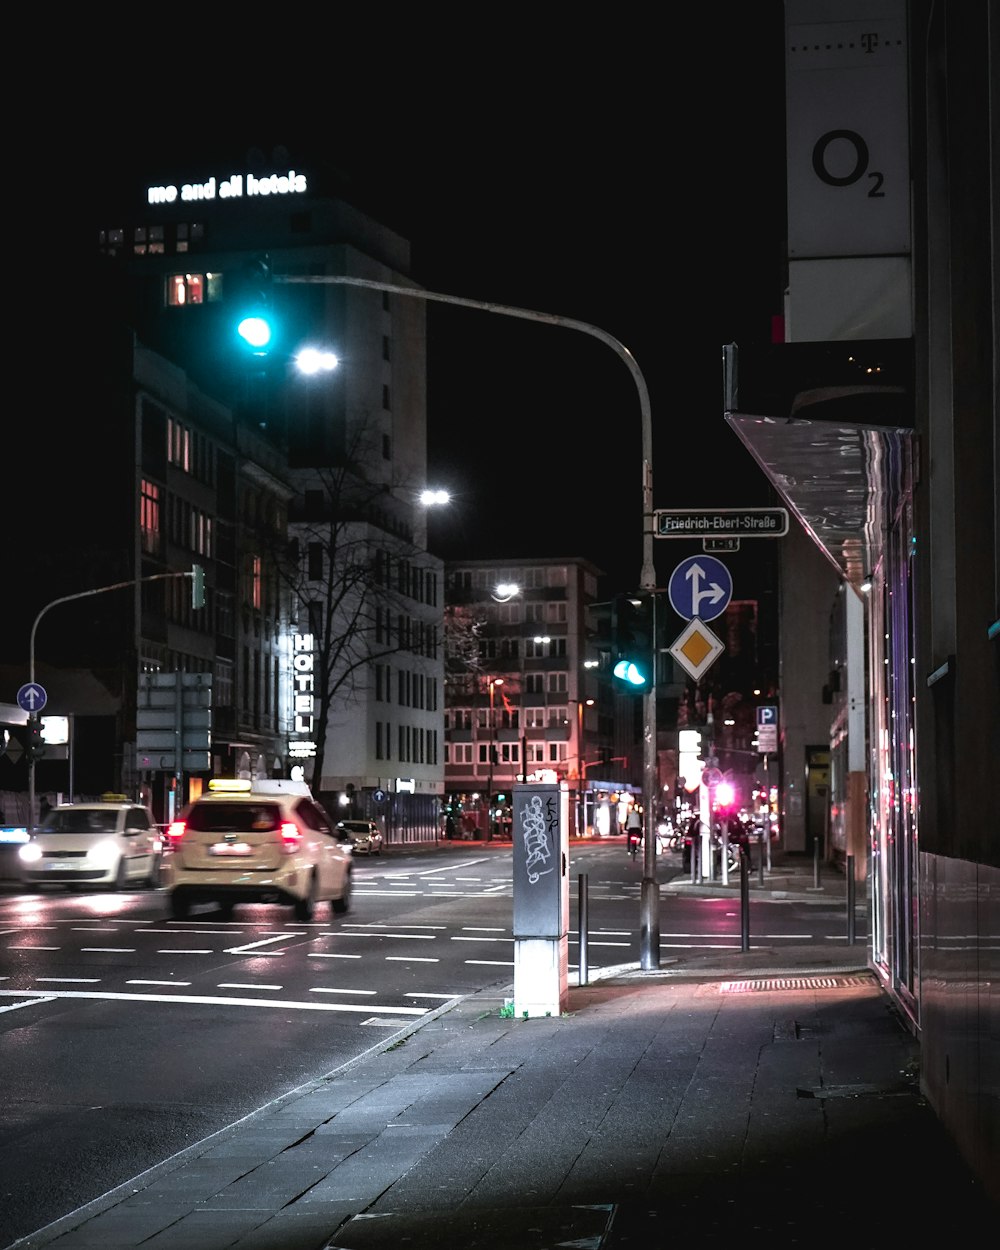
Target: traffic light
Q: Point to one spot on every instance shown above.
(35, 745)
(255, 322)
(632, 643)
(197, 586)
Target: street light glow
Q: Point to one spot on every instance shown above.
(312, 360)
(433, 498)
(505, 590)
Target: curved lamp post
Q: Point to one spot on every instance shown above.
(649, 901)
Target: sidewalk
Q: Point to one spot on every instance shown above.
(740, 1093)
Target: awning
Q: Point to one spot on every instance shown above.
(839, 455)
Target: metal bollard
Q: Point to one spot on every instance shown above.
(744, 899)
(816, 863)
(760, 858)
(581, 910)
(850, 900)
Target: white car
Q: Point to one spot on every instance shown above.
(365, 836)
(261, 841)
(113, 842)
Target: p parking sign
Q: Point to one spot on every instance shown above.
(767, 729)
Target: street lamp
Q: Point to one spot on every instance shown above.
(649, 900)
(493, 682)
(581, 767)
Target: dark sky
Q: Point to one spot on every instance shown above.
(619, 170)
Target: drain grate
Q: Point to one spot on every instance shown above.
(793, 983)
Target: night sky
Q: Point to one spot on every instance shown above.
(621, 170)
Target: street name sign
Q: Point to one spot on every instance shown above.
(720, 522)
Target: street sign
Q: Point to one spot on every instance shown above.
(700, 586)
(32, 697)
(720, 522)
(767, 729)
(720, 544)
(696, 649)
(166, 761)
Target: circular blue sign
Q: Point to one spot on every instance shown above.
(379, 796)
(32, 697)
(701, 587)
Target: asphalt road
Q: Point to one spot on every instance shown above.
(126, 1036)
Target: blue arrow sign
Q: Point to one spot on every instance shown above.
(32, 697)
(701, 587)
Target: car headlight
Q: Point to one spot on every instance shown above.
(30, 853)
(104, 854)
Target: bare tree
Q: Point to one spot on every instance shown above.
(352, 571)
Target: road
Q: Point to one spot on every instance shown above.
(126, 1036)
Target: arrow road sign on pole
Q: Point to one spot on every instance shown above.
(32, 697)
(700, 586)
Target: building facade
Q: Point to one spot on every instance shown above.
(317, 649)
(877, 420)
(527, 699)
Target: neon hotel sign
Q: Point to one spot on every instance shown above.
(302, 745)
(235, 187)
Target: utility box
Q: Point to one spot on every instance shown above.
(540, 836)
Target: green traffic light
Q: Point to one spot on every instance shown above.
(255, 331)
(629, 672)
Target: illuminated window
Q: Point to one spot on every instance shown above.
(178, 445)
(149, 516)
(193, 288)
(254, 587)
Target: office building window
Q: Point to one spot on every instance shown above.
(193, 288)
(149, 517)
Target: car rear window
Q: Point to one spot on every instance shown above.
(234, 817)
(81, 820)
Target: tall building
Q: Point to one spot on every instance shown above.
(876, 418)
(297, 497)
(526, 698)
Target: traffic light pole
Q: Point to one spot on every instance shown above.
(649, 901)
(83, 594)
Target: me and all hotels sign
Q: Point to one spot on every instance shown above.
(234, 187)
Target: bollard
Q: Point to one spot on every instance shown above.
(744, 899)
(760, 858)
(816, 863)
(581, 911)
(850, 900)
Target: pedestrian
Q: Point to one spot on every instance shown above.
(633, 829)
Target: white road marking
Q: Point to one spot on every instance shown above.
(139, 981)
(30, 1003)
(322, 989)
(68, 980)
(186, 951)
(252, 946)
(410, 959)
(323, 955)
(108, 950)
(236, 985)
(217, 1000)
(481, 938)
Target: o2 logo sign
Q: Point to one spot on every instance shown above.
(820, 154)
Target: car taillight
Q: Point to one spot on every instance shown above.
(175, 831)
(290, 837)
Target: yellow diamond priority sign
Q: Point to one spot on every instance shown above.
(696, 649)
